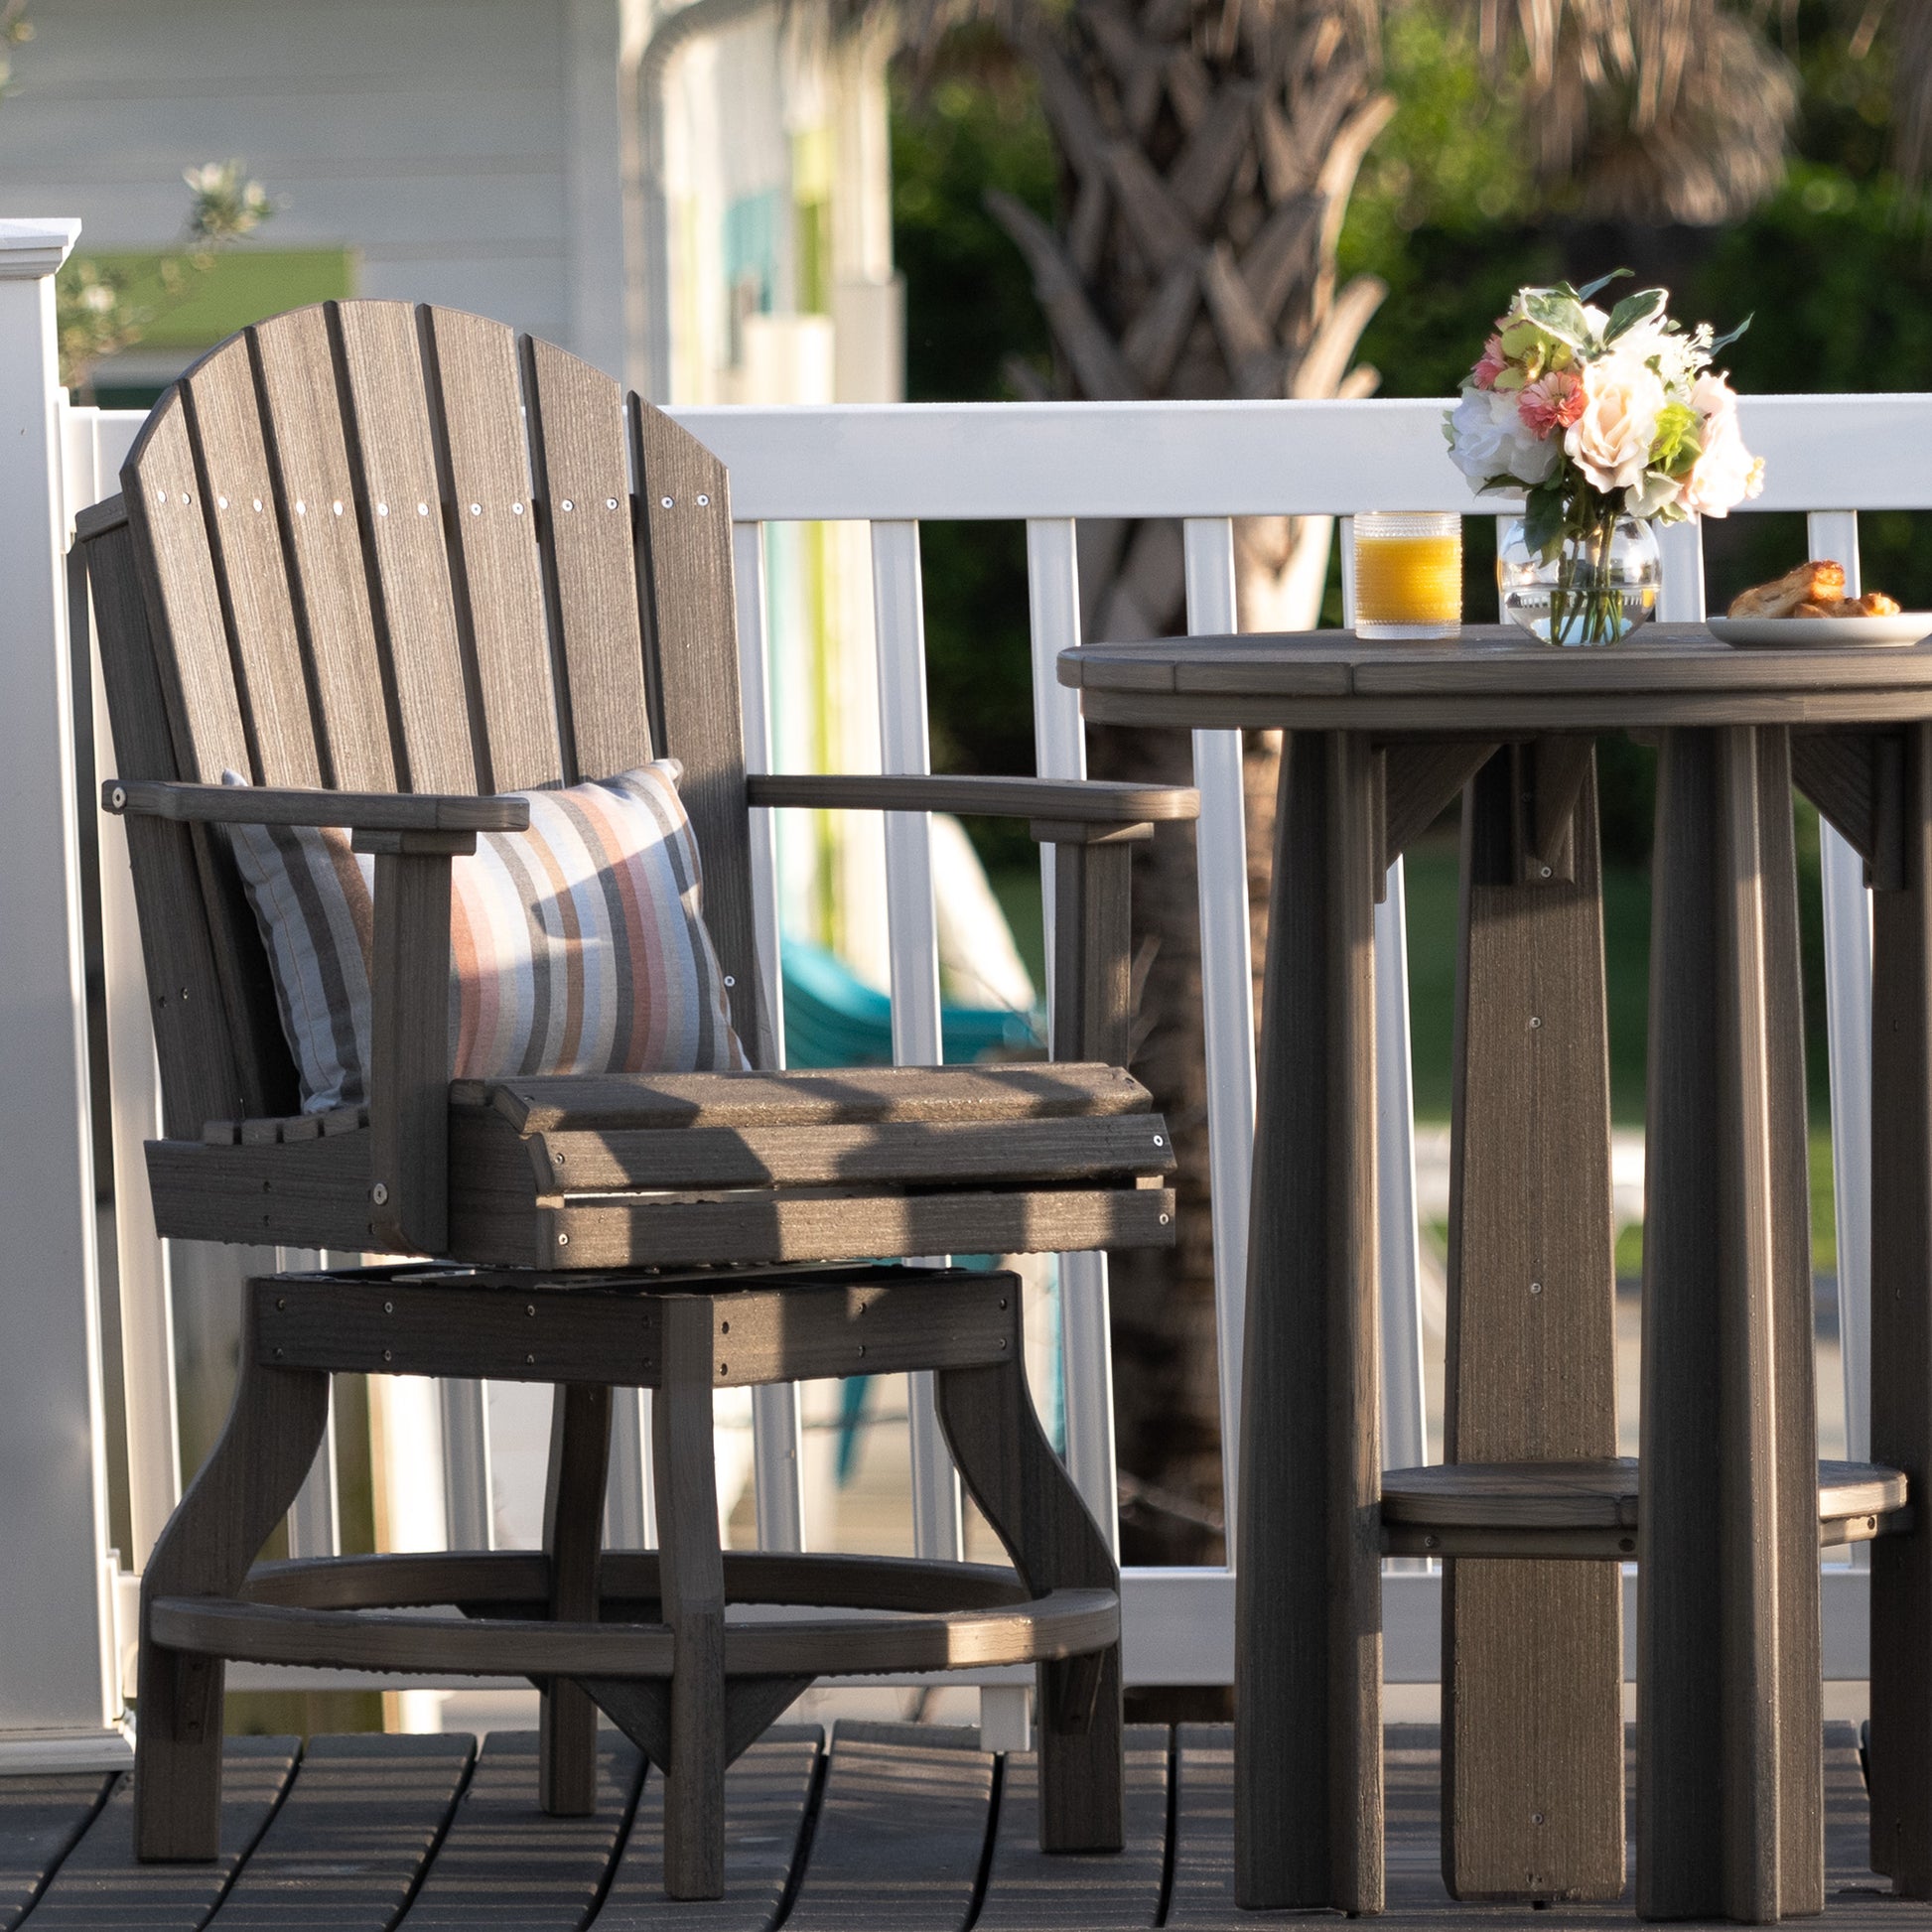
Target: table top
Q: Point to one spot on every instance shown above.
(1493, 678)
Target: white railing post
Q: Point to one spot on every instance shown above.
(1060, 752)
(1227, 989)
(59, 1694)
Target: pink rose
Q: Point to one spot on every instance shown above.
(1553, 402)
(1725, 473)
(1490, 365)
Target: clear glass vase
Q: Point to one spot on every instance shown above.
(1600, 587)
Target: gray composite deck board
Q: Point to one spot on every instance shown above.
(507, 1865)
(889, 1829)
(351, 1837)
(901, 1832)
(1030, 1890)
(100, 1889)
(41, 1815)
(767, 1795)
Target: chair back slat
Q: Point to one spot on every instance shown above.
(449, 586)
(198, 676)
(684, 543)
(399, 498)
(297, 374)
(244, 530)
(206, 1070)
(477, 404)
(584, 482)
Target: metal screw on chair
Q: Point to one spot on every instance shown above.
(558, 1157)
(530, 1361)
(665, 502)
(387, 1356)
(1536, 1288)
(119, 799)
(562, 1241)
(379, 1193)
(704, 503)
(532, 1309)
(388, 1308)
(281, 1301)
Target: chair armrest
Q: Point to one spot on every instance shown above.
(363, 811)
(1055, 801)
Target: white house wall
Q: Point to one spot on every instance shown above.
(467, 150)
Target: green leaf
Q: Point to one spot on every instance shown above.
(1543, 520)
(1632, 310)
(1561, 316)
(1726, 341)
(1602, 282)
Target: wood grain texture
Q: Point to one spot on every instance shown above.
(202, 1055)
(245, 527)
(396, 811)
(41, 1815)
(792, 1099)
(1031, 1890)
(496, 567)
(1093, 956)
(242, 1493)
(692, 1579)
(901, 1830)
(351, 1838)
(573, 1537)
(1533, 1653)
(1063, 1149)
(304, 1194)
(1838, 773)
(1307, 1611)
(309, 445)
(394, 457)
(503, 1863)
(1094, 801)
(1728, 1604)
(1420, 780)
(765, 1795)
(409, 1054)
(831, 1228)
(583, 480)
(100, 1884)
(690, 614)
(1901, 1761)
(1026, 1494)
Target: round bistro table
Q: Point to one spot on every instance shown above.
(1378, 739)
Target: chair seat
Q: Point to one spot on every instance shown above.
(618, 1170)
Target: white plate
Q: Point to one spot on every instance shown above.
(1907, 627)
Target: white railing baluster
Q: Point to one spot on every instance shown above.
(1681, 599)
(468, 1512)
(777, 1446)
(1060, 752)
(1227, 996)
(913, 942)
(1848, 1038)
(95, 448)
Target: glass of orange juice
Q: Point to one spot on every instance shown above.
(1409, 575)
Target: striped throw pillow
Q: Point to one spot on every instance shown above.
(577, 947)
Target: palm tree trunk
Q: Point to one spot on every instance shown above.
(1209, 149)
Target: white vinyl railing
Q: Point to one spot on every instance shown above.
(1202, 464)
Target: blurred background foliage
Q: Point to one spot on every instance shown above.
(1835, 269)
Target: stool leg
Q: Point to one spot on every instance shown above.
(1900, 1756)
(1307, 1729)
(275, 1426)
(691, 1576)
(1012, 1473)
(1532, 1652)
(1730, 1771)
(572, 1534)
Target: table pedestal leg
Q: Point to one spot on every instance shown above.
(1900, 1767)
(1309, 1570)
(1532, 1652)
(1730, 1787)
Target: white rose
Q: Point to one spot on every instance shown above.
(1610, 441)
(1487, 437)
(1725, 472)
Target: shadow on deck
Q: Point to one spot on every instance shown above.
(902, 1827)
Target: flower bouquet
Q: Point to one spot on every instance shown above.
(1606, 423)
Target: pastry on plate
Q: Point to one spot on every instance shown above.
(1819, 585)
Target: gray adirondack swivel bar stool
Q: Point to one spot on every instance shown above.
(391, 565)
